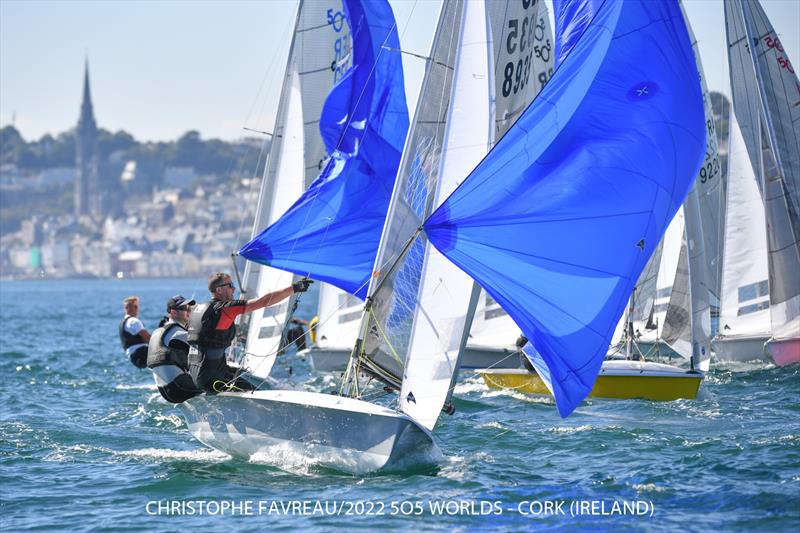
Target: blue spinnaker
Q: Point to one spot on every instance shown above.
(571, 18)
(558, 221)
(331, 233)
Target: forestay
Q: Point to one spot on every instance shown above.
(558, 221)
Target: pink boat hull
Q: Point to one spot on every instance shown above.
(784, 351)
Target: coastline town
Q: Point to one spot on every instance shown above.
(89, 203)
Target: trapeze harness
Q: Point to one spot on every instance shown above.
(134, 345)
(168, 358)
(211, 332)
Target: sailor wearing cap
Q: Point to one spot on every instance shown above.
(167, 354)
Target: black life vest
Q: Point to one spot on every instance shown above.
(160, 354)
(128, 339)
(203, 331)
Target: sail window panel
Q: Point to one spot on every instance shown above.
(267, 332)
(494, 313)
(752, 308)
(753, 291)
(348, 300)
(276, 310)
(763, 288)
(348, 317)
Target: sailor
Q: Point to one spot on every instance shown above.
(132, 333)
(168, 353)
(297, 334)
(211, 332)
(522, 340)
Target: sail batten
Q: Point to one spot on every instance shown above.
(618, 129)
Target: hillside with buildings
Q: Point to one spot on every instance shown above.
(91, 203)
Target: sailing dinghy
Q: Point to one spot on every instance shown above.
(766, 101)
(535, 223)
(668, 313)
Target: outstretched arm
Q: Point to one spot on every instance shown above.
(271, 298)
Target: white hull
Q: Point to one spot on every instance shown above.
(476, 356)
(740, 349)
(328, 430)
(326, 359)
(333, 360)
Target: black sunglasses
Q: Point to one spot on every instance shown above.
(230, 284)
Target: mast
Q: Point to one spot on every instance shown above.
(265, 191)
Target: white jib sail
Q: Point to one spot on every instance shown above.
(666, 277)
(438, 332)
(744, 309)
(287, 184)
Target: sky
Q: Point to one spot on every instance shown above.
(161, 68)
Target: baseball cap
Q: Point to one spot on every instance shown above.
(178, 301)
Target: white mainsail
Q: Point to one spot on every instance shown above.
(442, 313)
(265, 328)
(319, 54)
(766, 93)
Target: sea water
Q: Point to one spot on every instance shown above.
(86, 443)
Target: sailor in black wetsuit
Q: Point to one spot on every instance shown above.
(211, 332)
(168, 353)
(132, 333)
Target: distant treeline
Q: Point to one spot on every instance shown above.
(205, 156)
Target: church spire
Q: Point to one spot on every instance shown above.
(86, 121)
(88, 196)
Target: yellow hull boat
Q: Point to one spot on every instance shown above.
(617, 379)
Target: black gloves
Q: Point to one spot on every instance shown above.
(301, 285)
